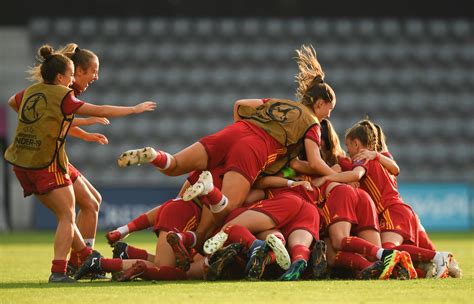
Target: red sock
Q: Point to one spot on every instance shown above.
(83, 254)
(164, 273)
(239, 234)
(161, 160)
(215, 196)
(73, 259)
(139, 223)
(388, 245)
(351, 260)
(299, 252)
(59, 266)
(188, 238)
(111, 265)
(358, 245)
(136, 253)
(272, 256)
(417, 254)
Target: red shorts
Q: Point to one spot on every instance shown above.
(306, 219)
(177, 215)
(366, 212)
(73, 172)
(238, 148)
(401, 219)
(281, 209)
(340, 206)
(41, 181)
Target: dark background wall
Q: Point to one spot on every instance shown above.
(19, 11)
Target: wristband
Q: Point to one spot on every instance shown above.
(290, 182)
(288, 172)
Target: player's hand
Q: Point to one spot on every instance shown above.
(337, 168)
(144, 107)
(364, 155)
(98, 120)
(97, 137)
(305, 184)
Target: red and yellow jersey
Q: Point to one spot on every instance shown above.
(380, 184)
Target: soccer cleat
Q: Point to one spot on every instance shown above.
(133, 272)
(442, 270)
(319, 261)
(258, 260)
(371, 272)
(70, 270)
(453, 267)
(56, 277)
(221, 259)
(215, 243)
(137, 157)
(389, 262)
(400, 273)
(203, 186)
(294, 272)
(90, 265)
(120, 251)
(182, 255)
(281, 254)
(407, 264)
(113, 237)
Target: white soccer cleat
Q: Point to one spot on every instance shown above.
(281, 254)
(215, 243)
(203, 186)
(193, 191)
(453, 267)
(137, 157)
(442, 270)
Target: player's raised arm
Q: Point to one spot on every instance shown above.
(115, 111)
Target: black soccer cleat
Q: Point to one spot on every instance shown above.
(221, 259)
(90, 265)
(319, 261)
(120, 251)
(371, 272)
(56, 277)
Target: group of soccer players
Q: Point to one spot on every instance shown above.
(271, 196)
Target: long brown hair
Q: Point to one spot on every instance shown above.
(331, 149)
(366, 132)
(310, 78)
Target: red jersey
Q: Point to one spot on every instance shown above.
(380, 184)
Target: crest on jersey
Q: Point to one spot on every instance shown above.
(33, 108)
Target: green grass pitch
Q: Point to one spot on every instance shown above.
(25, 264)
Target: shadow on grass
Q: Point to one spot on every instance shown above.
(98, 284)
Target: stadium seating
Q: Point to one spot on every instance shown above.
(412, 76)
